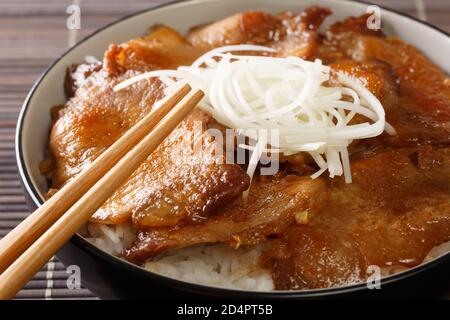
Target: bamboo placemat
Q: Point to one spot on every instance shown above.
(32, 34)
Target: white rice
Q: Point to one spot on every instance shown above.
(210, 264)
(217, 265)
(112, 239)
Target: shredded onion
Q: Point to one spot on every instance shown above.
(287, 94)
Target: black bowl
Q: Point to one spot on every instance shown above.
(110, 277)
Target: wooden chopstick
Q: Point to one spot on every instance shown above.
(58, 233)
(19, 239)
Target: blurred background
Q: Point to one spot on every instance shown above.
(32, 34)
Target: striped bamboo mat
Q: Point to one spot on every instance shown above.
(32, 34)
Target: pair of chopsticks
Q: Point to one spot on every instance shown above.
(34, 241)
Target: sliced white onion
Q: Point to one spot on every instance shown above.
(246, 92)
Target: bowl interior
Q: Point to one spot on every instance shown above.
(34, 121)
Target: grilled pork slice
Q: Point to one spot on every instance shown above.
(176, 181)
(162, 48)
(247, 27)
(291, 34)
(376, 76)
(422, 113)
(300, 37)
(270, 209)
(395, 211)
(93, 119)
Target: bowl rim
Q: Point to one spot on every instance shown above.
(85, 245)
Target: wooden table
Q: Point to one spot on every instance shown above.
(32, 34)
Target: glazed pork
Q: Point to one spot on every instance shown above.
(422, 113)
(395, 211)
(270, 209)
(291, 34)
(175, 182)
